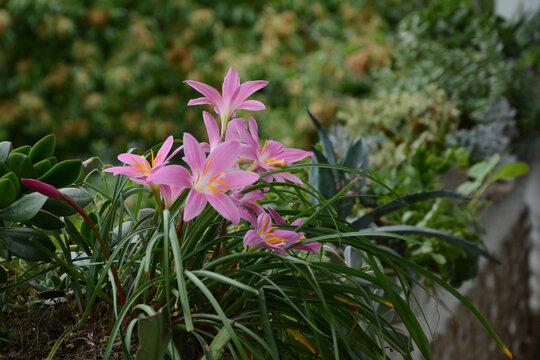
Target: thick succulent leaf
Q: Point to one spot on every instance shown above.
(25, 208)
(413, 230)
(63, 174)
(47, 221)
(323, 178)
(42, 167)
(3, 169)
(22, 150)
(5, 149)
(21, 242)
(357, 156)
(21, 165)
(43, 149)
(366, 220)
(59, 208)
(8, 193)
(154, 336)
(327, 146)
(14, 180)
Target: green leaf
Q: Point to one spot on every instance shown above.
(45, 220)
(25, 208)
(509, 171)
(20, 241)
(22, 150)
(468, 187)
(220, 341)
(327, 146)
(14, 180)
(413, 230)
(357, 155)
(43, 149)
(154, 337)
(42, 167)
(8, 193)
(324, 178)
(63, 174)
(21, 165)
(480, 170)
(5, 149)
(398, 204)
(76, 236)
(59, 208)
(3, 169)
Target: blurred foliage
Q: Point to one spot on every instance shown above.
(104, 74)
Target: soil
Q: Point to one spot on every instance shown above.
(30, 332)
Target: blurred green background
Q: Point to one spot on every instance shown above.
(107, 75)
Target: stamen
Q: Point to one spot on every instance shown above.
(265, 146)
(276, 240)
(264, 225)
(208, 165)
(221, 182)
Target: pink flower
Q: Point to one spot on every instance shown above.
(210, 178)
(271, 237)
(212, 129)
(170, 194)
(139, 168)
(267, 157)
(233, 96)
(247, 204)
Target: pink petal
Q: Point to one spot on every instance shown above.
(163, 151)
(212, 94)
(239, 179)
(125, 170)
(195, 203)
(248, 88)
(195, 157)
(264, 222)
(253, 105)
(200, 101)
(252, 238)
(225, 206)
(232, 129)
(172, 175)
(170, 194)
(293, 155)
(223, 157)
(276, 248)
(132, 159)
(291, 178)
(277, 218)
(212, 130)
(254, 130)
(231, 85)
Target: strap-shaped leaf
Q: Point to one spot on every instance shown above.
(365, 221)
(21, 242)
(154, 337)
(413, 230)
(63, 174)
(5, 149)
(357, 155)
(43, 149)
(25, 208)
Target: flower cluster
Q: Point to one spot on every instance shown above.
(213, 173)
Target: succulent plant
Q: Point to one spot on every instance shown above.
(23, 212)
